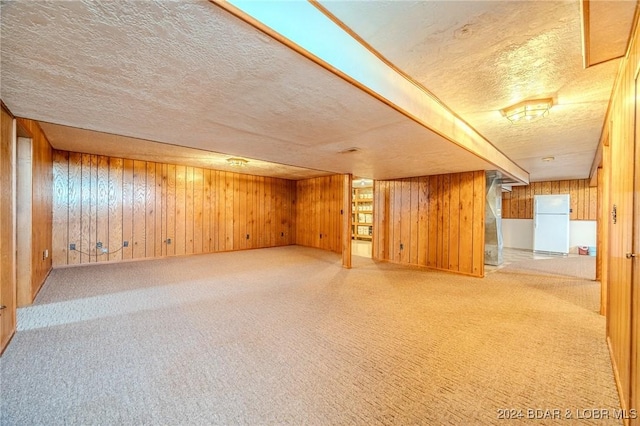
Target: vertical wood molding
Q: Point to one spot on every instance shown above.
(346, 220)
(162, 209)
(432, 221)
(517, 204)
(8, 295)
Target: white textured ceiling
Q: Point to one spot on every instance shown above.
(190, 74)
(79, 140)
(479, 57)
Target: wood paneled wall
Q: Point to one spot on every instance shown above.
(162, 209)
(319, 202)
(518, 204)
(41, 203)
(433, 221)
(622, 129)
(7, 230)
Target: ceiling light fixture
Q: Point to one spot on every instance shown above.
(547, 159)
(527, 111)
(237, 162)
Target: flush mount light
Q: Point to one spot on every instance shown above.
(528, 111)
(237, 162)
(547, 159)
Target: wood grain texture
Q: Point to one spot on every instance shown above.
(112, 200)
(440, 217)
(139, 208)
(189, 211)
(42, 204)
(150, 210)
(86, 251)
(60, 212)
(180, 241)
(346, 219)
(127, 209)
(23, 225)
(620, 165)
(74, 206)
(317, 213)
(518, 204)
(170, 212)
(8, 296)
(116, 173)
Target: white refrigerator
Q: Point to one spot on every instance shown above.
(551, 223)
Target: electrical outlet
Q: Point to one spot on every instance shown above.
(168, 240)
(72, 246)
(125, 244)
(45, 254)
(320, 236)
(282, 234)
(247, 236)
(401, 246)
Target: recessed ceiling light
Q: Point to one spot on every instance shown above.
(547, 159)
(237, 162)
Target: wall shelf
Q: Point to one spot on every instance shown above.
(362, 213)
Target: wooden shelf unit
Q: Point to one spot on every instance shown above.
(362, 213)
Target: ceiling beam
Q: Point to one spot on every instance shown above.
(357, 64)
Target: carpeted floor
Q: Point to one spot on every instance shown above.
(286, 336)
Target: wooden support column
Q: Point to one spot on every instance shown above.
(346, 221)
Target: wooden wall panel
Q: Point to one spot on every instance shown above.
(446, 229)
(8, 296)
(61, 211)
(102, 206)
(116, 170)
(206, 211)
(139, 208)
(169, 242)
(42, 206)
(127, 209)
(620, 164)
(148, 204)
(318, 219)
(518, 204)
(75, 206)
(180, 241)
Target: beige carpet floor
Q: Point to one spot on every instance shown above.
(287, 336)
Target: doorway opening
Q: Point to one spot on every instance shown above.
(362, 210)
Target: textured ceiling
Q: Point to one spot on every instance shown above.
(606, 28)
(78, 140)
(479, 57)
(191, 74)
